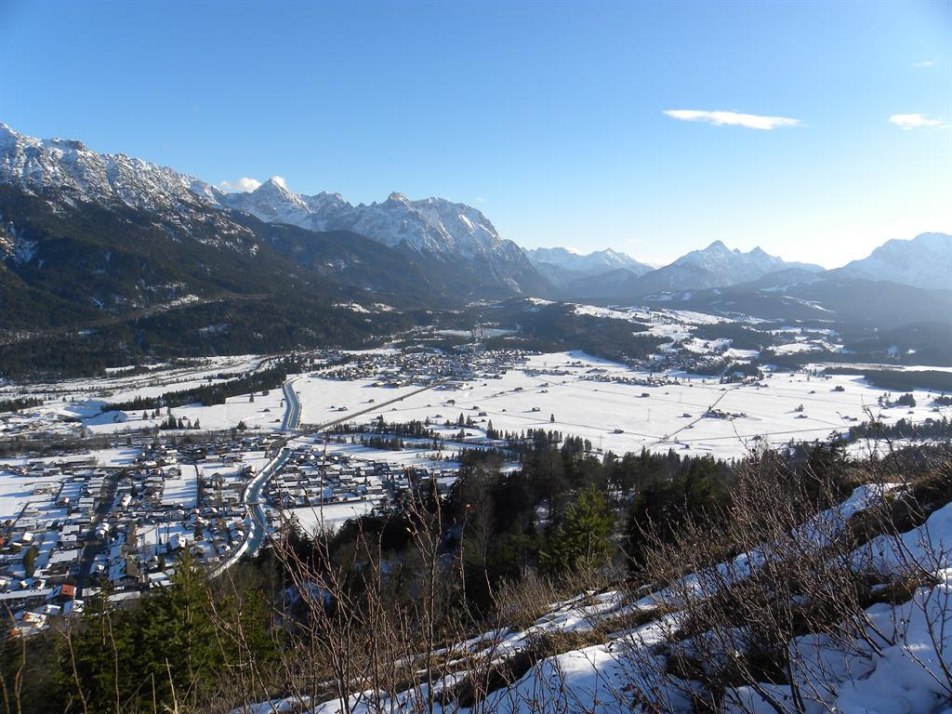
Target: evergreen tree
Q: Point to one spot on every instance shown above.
(582, 541)
(29, 560)
(178, 640)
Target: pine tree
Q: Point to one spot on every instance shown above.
(582, 540)
(29, 560)
(179, 642)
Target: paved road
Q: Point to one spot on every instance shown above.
(292, 407)
(93, 547)
(256, 524)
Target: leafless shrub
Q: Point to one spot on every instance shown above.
(780, 566)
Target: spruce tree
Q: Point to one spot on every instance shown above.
(582, 541)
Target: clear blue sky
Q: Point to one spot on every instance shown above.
(548, 116)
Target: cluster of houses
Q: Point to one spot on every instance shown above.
(72, 526)
(176, 499)
(78, 527)
(41, 544)
(313, 478)
(401, 369)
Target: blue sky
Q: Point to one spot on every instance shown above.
(586, 124)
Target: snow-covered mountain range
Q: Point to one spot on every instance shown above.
(735, 265)
(67, 171)
(925, 262)
(455, 243)
(585, 263)
(432, 227)
(449, 238)
(67, 165)
(717, 266)
(562, 266)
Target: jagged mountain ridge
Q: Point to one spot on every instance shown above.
(925, 261)
(563, 266)
(110, 233)
(450, 246)
(66, 170)
(436, 229)
(67, 165)
(715, 266)
(456, 243)
(585, 263)
(719, 266)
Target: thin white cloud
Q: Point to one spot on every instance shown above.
(243, 184)
(725, 118)
(479, 199)
(924, 64)
(280, 181)
(915, 121)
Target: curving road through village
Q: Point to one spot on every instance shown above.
(256, 519)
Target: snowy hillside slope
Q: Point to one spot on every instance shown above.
(702, 641)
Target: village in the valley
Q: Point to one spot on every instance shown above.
(97, 499)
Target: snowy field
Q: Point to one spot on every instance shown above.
(326, 400)
(24, 492)
(118, 387)
(574, 393)
(331, 516)
(87, 401)
(264, 413)
(615, 407)
(181, 490)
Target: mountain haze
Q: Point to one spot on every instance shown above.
(715, 266)
(563, 266)
(925, 261)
